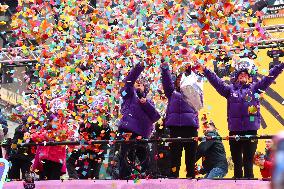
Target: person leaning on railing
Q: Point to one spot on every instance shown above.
(212, 153)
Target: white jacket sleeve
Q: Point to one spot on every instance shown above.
(192, 91)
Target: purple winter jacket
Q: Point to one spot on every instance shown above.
(136, 117)
(179, 112)
(241, 97)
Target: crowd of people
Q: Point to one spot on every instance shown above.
(139, 116)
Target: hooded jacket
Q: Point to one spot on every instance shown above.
(243, 103)
(179, 112)
(136, 117)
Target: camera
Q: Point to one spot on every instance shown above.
(29, 185)
(29, 181)
(275, 53)
(224, 70)
(250, 55)
(114, 23)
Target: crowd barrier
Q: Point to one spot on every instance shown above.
(158, 169)
(153, 140)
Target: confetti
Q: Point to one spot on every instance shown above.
(84, 55)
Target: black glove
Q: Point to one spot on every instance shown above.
(140, 94)
(188, 70)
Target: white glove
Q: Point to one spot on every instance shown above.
(192, 91)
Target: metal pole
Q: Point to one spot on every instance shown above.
(83, 142)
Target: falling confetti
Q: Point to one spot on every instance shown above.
(84, 53)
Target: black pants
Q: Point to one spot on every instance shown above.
(71, 168)
(19, 165)
(51, 170)
(242, 154)
(177, 147)
(87, 167)
(128, 153)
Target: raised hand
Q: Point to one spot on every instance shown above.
(164, 64)
(198, 68)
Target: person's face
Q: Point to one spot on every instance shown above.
(139, 86)
(208, 128)
(243, 78)
(268, 144)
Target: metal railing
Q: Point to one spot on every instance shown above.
(152, 140)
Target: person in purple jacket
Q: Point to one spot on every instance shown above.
(182, 121)
(138, 116)
(243, 112)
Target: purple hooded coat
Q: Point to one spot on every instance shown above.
(241, 97)
(179, 112)
(136, 117)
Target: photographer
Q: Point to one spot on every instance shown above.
(212, 153)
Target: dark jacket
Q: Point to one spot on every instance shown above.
(4, 123)
(24, 153)
(213, 154)
(179, 112)
(137, 118)
(241, 97)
